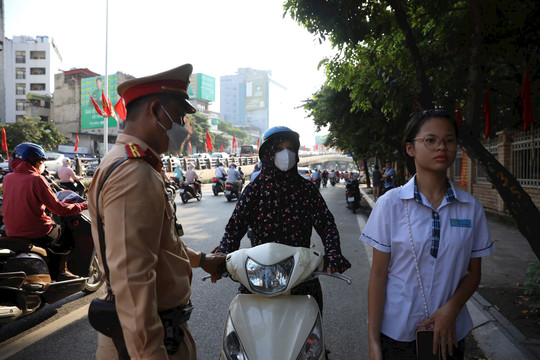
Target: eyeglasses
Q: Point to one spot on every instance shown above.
(432, 142)
(182, 116)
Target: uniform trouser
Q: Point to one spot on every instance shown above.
(186, 351)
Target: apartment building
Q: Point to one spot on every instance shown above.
(28, 64)
(244, 100)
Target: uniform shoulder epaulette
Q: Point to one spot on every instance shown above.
(134, 151)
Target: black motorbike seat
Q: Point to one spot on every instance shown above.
(21, 245)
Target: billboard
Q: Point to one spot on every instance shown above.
(93, 86)
(256, 92)
(202, 87)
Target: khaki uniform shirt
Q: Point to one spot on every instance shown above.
(150, 267)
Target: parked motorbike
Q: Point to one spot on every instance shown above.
(218, 185)
(271, 323)
(188, 191)
(25, 280)
(352, 194)
(233, 190)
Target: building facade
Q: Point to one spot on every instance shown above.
(27, 70)
(73, 113)
(244, 100)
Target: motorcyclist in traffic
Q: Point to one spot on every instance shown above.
(221, 173)
(280, 206)
(68, 179)
(27, 196)
(234, 176)
(178, 175)
(193, 178)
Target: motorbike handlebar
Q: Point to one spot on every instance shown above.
(334, 275)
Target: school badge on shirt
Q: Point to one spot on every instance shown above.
(461, 223)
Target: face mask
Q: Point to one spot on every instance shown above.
(41, 168)
(176, 134)
(285, 160)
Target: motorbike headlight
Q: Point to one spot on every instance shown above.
(314, 345)
(231, 343)
(269, 279)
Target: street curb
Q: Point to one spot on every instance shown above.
(496, 336)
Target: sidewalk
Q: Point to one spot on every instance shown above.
(507, 265)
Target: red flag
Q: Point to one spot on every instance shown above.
(221, 147)
(259, 139)
(106, 105)
(189, 145)
(209, 141)
(233, 142)
(120, 109)
(4, 140)
(76, 143)
(459, 118)
(527, 102)
(304, 147)
(487, 115)
(96, 106)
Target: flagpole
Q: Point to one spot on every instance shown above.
(105, 116)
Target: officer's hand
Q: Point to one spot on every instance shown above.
(211, 263)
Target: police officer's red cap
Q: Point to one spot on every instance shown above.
(174, 81)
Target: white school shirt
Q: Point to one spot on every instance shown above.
(464, 235)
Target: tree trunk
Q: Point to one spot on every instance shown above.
(426, 97)
(368, 181)
(517, 201)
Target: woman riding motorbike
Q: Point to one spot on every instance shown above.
(280, 206)
(27, 195)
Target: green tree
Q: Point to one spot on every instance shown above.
(197, 125)
(399, 56)
(241, 135)
(41, 132)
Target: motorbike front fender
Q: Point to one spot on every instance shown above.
(273, 328)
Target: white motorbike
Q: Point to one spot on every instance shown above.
(271, 323)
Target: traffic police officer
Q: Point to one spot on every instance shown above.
(149, 265)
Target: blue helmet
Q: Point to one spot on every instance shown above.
(279, 132)
(27, 150)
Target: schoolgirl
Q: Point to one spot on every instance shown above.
(428, 240)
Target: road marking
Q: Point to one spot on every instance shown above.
(43, 332)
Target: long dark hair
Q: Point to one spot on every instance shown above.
(413, 127)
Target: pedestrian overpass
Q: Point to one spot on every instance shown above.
(327, 161)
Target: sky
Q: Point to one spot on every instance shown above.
(216, 36)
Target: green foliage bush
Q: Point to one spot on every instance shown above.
(532, 282)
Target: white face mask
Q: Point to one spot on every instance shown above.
(176, 134)
(41, 168)
(285, 160)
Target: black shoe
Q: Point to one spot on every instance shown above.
(66, 275)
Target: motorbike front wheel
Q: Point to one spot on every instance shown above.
(199, 196)
(95, 277)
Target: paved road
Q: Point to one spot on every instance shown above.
(344, 306)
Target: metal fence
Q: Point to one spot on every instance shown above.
(525, 158)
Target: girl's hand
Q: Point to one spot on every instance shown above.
(443, 323)
(375, 351)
